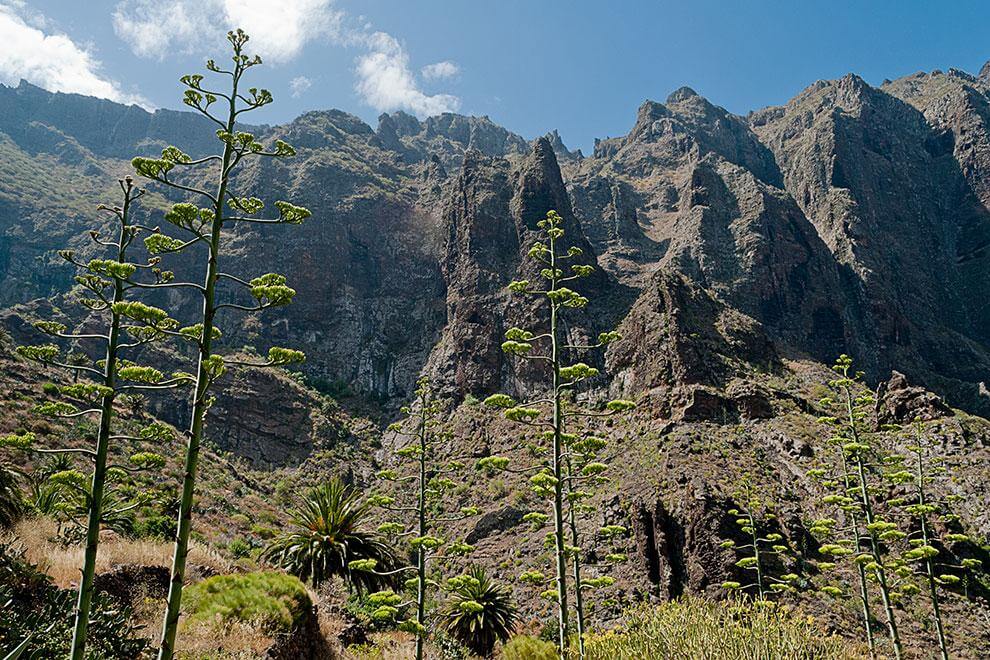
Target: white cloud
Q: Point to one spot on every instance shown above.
(440, 70)
(386, 83)
(279, 30)
(299, 85)
(51, 60)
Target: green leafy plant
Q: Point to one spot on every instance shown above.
(425, 506)
(480, 612)
(104, 288)
(38, 618)
(202, 227)
(330, 538)
(525, 647)
(11, 499)
(734, 629)
(567, 471)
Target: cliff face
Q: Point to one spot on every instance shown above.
(853, 219)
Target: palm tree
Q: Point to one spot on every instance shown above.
(481, 612)
(330, 534)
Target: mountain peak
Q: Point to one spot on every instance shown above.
(984, 74)
(682, 94)
(560, 148)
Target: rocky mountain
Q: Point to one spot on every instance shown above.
(853, 219)
(736, 255)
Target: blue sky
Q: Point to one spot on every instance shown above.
(581, 67)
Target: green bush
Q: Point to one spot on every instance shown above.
(155, 526)
(729, 630)
(524, 647)
(274, 601)
(239, 548)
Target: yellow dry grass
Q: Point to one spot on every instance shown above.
(38, 538)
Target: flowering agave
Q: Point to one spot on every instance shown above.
(571, 470)
(105, 288)
(201, 226)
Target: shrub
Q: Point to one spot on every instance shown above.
(524, 647)
(274, 601)
(239, 548)
(729, 630)
(329, 533)
(155, 526)
(480, 612)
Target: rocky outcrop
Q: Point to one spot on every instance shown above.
(495, 522)
(678, 548)
(491, 213)
(678, 334)
(132, 583)
(897, 402)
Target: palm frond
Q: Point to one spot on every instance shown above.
(329, 533)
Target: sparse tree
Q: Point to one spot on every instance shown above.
(550, 413)
(105, 289)
(203, 227)
(424, 504)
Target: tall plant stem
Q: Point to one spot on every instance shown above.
(201, 401)
(422, 527)
(756, 554)
(98, 487)
(864, 591)
(929, 565)
(557, 465)
(867, 503)
(578, 595)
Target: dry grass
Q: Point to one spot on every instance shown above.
(233, 642)
(384, 646)
(37, 536)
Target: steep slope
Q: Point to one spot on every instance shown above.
(692, 190)
(887, 197)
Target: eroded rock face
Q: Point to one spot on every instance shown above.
(490, 212)
(270, 420)
(898, 402)
(853, 219)
(678, 549)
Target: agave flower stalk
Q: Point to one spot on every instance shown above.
(107, 286)
(203, 227)
(425, 480)
(857, 496)
(553, 479)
